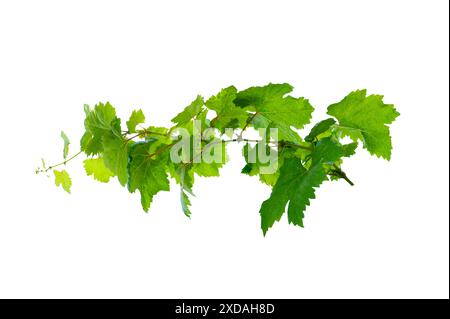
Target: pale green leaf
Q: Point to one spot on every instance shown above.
(62, 178)
(267, 167)
(136, 118)
(96, 167)
(228, 115)
(189, 112)
(66, 144)
(186, 182)
(99, 122)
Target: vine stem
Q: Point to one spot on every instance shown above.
(283, 143)
(249, 120)
(339, 173)
(62, 163)
(162, 149)
(159, 151)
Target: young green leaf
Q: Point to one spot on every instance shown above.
(99, 122)
(62, 178)
(268, 170)
(97, 168)
(66, 144)
(189, 111)
(228, 115)
(186, 182)
(136, 118)
(210, 168)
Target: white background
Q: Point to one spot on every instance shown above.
(386, 237)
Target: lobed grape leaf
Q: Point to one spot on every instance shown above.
(189, 111)
(62, 178)
(136, 118)
(276, 110)
(147, 175)
(97, 168)
(228, 114)
(366, 118)
(115, 156)
(296, 184)
(210, 169)
(99, 122)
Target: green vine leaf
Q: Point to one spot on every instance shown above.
(62, 178)
(296, 185)
(115, 155)
(327, 151)
(97, 168)
(276, 110)
(99, 122)
(267, 170)
(136, 118)
(186, 182)
(349, 149)
(228, 115)
(66, 144)
(147, 175)
(366, 118)
(189, 111)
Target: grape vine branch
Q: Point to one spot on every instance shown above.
(143, 158)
